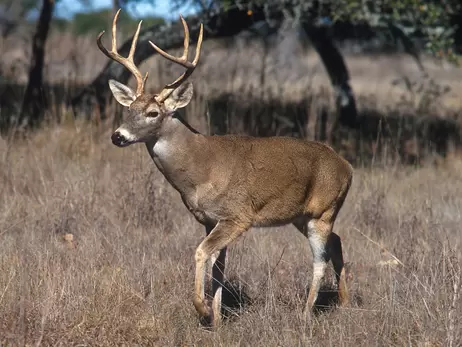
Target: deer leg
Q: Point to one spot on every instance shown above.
(221, 236)
(217, 269)
(218, 272)
(317, 231)
(336, 254)
(318, 236)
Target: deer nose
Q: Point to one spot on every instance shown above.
(117, 138)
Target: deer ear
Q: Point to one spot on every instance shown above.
(122, 93)
(180, 97)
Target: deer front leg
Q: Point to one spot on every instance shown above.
(221, 236)
(218, 274)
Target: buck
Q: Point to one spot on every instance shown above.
(231, 183)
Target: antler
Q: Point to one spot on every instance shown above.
(183, 61)
(127, 62)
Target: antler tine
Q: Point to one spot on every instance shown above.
(187, 73)
(127, 62)
(114, 31)
(186, 38)
(134, 41)
(183, 60)
(199, 45)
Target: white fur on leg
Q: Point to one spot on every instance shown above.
(317, 243)
(318, 248)
(216, 306)
(318, 273)
(214, 257)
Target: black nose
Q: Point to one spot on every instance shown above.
(117, 138)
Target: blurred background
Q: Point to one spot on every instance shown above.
(326, 70)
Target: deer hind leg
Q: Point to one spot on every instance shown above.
(325, 245)
(221, 236)
(317, 231)
(318, 236)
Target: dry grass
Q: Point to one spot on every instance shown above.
(125, 276)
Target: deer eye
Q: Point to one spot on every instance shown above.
(152, 114)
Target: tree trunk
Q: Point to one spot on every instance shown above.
(34, 102)
(338, 74)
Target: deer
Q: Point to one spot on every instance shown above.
(232, 183)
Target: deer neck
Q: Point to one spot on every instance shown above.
(177, 153)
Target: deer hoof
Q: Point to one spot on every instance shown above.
(206, 321)
(202, 308)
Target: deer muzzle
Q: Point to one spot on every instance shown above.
(119, 139)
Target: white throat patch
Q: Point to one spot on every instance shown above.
(162, 148)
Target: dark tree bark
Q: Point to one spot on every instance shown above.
(167, 37)
(35, 103)
(338, 74)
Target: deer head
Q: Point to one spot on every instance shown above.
(149, 114)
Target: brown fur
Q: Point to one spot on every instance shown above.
(264, 181)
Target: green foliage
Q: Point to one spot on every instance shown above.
(425, 18)
(94, 22)
(148, 21)
(59, 24)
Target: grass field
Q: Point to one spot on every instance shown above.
(126, 278)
